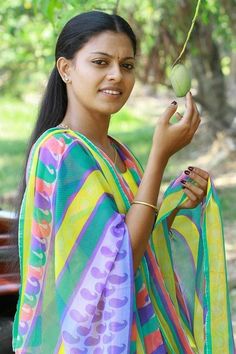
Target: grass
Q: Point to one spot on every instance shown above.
(17, 120)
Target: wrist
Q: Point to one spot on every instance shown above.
(159, 155)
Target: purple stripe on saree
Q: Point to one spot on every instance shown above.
(47, 157)
(99, 310)
(98, 246)
(81, 234)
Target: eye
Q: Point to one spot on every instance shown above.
(128, 66)
(99, 62)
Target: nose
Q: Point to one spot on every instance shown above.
(115, 73)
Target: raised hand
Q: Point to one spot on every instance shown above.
(169, 138)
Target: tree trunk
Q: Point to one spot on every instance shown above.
(212, 90)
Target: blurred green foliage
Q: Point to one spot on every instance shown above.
(29, 28)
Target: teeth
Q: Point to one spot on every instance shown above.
(110, 92)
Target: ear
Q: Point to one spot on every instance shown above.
(63, 67)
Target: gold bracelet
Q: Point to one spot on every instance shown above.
(144, 203)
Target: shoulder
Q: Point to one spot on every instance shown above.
(55, 140)
(56, 147)
(58, 142)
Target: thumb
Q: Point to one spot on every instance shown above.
(170, 110)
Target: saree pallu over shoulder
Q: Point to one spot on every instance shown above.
(78, 291)
(75, 255)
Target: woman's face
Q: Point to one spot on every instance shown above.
(102, 73)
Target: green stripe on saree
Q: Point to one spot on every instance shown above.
(78, 291)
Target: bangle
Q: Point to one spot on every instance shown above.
(147, 204)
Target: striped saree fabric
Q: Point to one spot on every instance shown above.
(79, 294)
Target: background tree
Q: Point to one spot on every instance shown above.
(162, 28)
(28, 29)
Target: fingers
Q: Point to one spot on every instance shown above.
(194, 192)
(196, 120)
(175, 118)
(187, 117)
(198, 172)
(191, 116)
(178, 115)
(169, 112)
(190, 194)
(200, 180)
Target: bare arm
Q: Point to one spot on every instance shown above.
(167, 140)
(139, 218)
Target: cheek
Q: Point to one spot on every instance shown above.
(84, 86)
(86, 77)
(130, 83)
(131, 79)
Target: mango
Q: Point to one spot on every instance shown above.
(180, 79)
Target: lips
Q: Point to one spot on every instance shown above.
(111, 91)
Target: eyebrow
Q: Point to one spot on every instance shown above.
(110, 56)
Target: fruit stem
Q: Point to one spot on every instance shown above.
(189, 32)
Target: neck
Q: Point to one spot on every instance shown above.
(93, 125)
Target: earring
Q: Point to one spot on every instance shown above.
(66, 79)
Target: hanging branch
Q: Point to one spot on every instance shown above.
(189, 32)
(115, 10)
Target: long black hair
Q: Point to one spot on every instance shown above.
(75, 34)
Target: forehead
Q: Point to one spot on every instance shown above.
(116, 44)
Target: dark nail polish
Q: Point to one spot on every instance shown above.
(174, 103)
(190, 168)
(187, 172)
(183, 187)
(183, 181)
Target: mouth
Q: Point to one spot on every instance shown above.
(109, 92)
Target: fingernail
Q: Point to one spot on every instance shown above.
(183, 181)
(174, 103)
(187, 172)
(183, 187)
(190, 168)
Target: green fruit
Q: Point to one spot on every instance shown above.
(180, 79)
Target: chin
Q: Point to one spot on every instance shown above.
(112, 110)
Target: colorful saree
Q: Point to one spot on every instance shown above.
(78, 291)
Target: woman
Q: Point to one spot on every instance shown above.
(98, 272)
